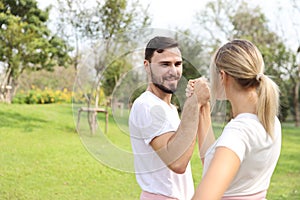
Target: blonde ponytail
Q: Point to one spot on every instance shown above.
(242, 60)
(268, 103)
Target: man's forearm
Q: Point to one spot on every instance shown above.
(176, 149)
(179, 149)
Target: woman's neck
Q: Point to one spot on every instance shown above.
(244, 102)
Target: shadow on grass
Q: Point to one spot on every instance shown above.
(8, 119)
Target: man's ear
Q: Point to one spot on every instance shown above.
(147, 66)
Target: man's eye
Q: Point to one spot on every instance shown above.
(178, 64)
(165, 64)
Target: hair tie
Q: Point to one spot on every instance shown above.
(258, 76)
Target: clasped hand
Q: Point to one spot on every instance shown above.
(200, 88)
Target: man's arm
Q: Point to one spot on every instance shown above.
(176, 148)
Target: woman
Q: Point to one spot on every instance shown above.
(240, 163)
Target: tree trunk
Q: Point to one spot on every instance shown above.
(296, 105)
(8, 87)
(97, 95)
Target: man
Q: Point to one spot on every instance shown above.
(161, 143)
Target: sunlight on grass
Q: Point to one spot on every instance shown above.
(43, 157)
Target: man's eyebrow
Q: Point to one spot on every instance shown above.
(168, 62)
(164, 62)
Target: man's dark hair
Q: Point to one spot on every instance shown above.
(159, 44)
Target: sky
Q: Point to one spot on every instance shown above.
(169, 14)
(172, 13)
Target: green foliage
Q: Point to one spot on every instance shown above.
(192, 50)
(57, 79)
(112, 74)
(195, 63)
(119, 16)
(137, 93)
(105, 28)
(26, 42)
(237, 19)
(251, 24)
(46, 96)
(115, 17)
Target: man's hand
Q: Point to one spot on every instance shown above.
(198, 87)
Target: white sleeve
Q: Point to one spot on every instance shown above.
(150, 121)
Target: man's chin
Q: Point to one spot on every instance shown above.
(165, 89)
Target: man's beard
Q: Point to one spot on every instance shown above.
(163, 88)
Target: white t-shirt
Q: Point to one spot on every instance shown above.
(150, 117)
(257, 152)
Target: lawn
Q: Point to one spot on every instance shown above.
(43, 157)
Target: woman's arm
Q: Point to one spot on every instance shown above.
(223, 168)
(205, 132)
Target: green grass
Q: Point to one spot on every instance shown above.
(285, 183)
(43, 157)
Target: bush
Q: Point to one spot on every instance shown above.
(46, 96)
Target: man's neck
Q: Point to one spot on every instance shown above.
(166, 97)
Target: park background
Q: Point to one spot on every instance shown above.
(55, 60)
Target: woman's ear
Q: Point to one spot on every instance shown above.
(222, 75)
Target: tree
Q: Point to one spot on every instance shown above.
(236, 19)
(104, 29)
(294, 71)
(26, 43)
(252, 24)
(112, 74)
(112, 28)
(297, 92)
(58, 79)
(195, 62)
(72, 20)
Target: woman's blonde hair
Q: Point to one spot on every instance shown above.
(243, 61)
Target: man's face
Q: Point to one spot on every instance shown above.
(166, 69)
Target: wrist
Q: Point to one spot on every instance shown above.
(194, 101)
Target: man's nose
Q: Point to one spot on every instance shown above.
(172, 69)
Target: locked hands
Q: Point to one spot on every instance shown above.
(198, 87)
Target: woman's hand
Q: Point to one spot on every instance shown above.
(200, 88)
